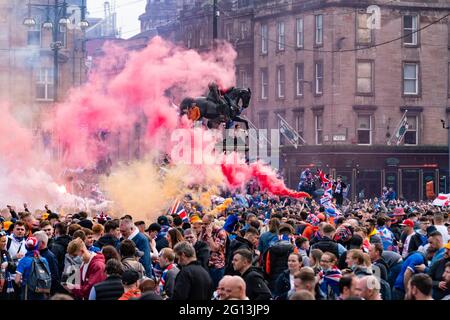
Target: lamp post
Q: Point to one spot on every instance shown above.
(448, 145)
(60, 20)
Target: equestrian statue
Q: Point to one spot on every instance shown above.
(219, 106)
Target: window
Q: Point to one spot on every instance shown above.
(281, 38)
(364, 129)
(264, 40)
(411, 135)
(189, 39)
(410, 27)
(364, 34)
(229, 32)
(411, 78)
(243, 3)
(299, 70)
(243, 78)
(244, 30)
(448, 80)
(63, 35)
(364, 77)
(282, 137)
(318, 75)
(280, 82)
(299, 32)
(298, 125)
(262, 122)
(44, 84)
(448, 28)
(202, 37)
(319, 30)
(264, 84)
(34, 34)
(318, 121)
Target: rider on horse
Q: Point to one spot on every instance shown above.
(217, 96)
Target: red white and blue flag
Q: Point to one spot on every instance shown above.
(442, 200)
(178, 209)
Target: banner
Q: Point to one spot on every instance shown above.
(400, 131)
(290, 134)
(442, 200)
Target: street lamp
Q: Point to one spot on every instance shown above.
(60, 21)
(29, 21)
(448, 144)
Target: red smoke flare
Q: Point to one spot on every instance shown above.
(239, 174)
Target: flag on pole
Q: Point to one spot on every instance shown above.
(178, 209)
(290, 134)
(400, 131)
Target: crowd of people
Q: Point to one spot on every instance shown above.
(257, 247)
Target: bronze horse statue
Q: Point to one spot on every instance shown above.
(218, 106)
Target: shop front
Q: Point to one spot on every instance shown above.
(368, 169)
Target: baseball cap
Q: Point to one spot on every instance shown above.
(130, 276)
(195, 219)
(163, 220)
(31, 243)
(430, 230)
(408, 223)
(86, 223)
(153, 227)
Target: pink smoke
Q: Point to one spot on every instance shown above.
(237, 175)
(141, 88)
(15, 140)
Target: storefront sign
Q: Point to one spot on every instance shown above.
(339, 137)
(392, 162)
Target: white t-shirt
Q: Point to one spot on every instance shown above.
(406, 245)
(444, 231)
(291, 280)
(85, 267)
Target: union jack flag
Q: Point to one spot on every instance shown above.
(178, 208)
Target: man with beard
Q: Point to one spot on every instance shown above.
(437, 270)
(419, 287)
(249, 242)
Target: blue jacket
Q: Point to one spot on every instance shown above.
(265, 239)
(24, 266)
(143, 245)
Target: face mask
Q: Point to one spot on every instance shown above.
(77, 259)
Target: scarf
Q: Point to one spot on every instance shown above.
(162, 281)
(329, 282)
(8, 278)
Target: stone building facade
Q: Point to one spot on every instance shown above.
(343, 73)
(27, 81)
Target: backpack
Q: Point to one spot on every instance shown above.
(276, 257)
(385, 289)
(39, 280)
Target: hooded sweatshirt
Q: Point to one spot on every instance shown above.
(94, 273)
